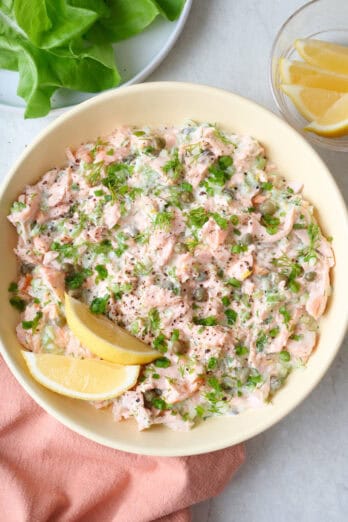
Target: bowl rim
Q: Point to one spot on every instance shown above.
(135, 447)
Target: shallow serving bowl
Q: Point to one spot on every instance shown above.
(171, 103)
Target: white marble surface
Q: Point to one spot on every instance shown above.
(297, 470)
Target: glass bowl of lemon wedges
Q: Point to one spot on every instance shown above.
(309, 72)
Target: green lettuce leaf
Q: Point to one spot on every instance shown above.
(89, 68)
(127, 18)
(52, 23)
(99, 6)
(171, 9)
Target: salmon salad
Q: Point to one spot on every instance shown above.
(192, 240)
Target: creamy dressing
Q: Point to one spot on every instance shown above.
(190, 239)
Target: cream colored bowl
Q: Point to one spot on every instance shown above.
(171, 103)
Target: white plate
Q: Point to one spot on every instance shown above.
(136, 58)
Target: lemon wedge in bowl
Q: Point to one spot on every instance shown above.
(301, 73)
(310, 102)
(334, 122)
(326, 55)
(86, 379)
(104, 338)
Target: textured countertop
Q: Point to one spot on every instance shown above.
(296, 470)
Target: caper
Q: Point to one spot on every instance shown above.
(180, 248)
(180, 347)
(187, 197)
(229, 192)
(310, 276)
(275, 383)
(149, 395)
(167, 283)
(159, 142)
(200, 294)
(268, 208)
(247, 239)
(27, 268)
(202, 276)
(228, 383)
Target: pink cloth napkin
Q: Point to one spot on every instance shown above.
(49, 473)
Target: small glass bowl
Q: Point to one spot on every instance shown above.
(320, 19)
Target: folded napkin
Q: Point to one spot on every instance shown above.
(49, 473)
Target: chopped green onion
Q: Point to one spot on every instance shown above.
(234, 282)
(162, 362)
(99, 304)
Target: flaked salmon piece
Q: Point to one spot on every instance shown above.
(277, 344)
(156, 297)
(170, 136)
(42, 244)
(96, 234)
(70, 155)
(54, 280)
(302, 348)
(25, 252)
(161, 245)
(58, 192)
(31, 201)
(213, 234)
(50, 259)
(184, 264)
(48, 179)
(215, 144)
(73, 346)
(197, 172)
(245, 153)
(302, 236)
(131, 403)
(83, 154)
(241, 268)
(319, 290)
(174, 422)
(326, 251)
(258, 397)
(259, 198)
(260, 270)
(262, 235)
(111, 214)
(209, 341)
(58, 211)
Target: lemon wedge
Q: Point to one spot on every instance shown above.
(300, 73)
(104, 338)
(311, 103)
(334, 122)
(86, 379)
(325, 55)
